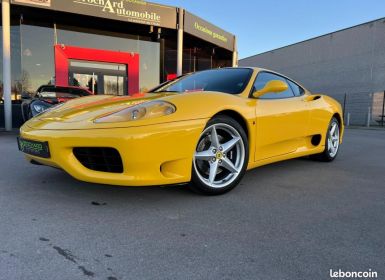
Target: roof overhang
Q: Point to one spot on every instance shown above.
(140, 12)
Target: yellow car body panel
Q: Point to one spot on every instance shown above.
(151, 155)
(159, 151)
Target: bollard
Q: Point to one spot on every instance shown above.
(368, 118)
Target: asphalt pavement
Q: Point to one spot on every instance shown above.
(291, 220)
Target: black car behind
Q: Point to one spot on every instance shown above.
(47, 96)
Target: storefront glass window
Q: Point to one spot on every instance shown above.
(149, 56)
(16, 76)
(170, 58)
(99, 77)
(37, 57)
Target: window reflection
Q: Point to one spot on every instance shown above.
(89, 81)
(114, 85)
(16, 74)
(149, 69)
(99, 77)
(37, 56)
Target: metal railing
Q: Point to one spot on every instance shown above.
(363, 108)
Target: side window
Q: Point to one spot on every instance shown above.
(265, 77)
(298, 91)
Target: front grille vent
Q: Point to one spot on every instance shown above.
(99, 159)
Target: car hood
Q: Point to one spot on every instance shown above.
(80, 113)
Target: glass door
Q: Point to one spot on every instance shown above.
(114, 84)
(89, 81)
(99, 77)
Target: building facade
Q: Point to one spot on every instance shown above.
(117, 47)
(348, 64)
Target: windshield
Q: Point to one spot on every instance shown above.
(227, 80)
(47, 94)
(68, 90)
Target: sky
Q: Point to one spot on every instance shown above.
(266, 25)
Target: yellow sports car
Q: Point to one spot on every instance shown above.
(205, 129)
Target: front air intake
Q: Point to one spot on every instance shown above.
(99, 159)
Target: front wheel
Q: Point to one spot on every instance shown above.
(332, 142)
(221, 157)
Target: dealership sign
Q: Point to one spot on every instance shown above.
(208, 32)
(44, 3)
(139, 11)
(136, 11)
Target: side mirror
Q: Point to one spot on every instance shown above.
(273, 86)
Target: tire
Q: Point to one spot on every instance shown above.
(332, 142)
(219, 163)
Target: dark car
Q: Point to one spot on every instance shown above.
(47, 96)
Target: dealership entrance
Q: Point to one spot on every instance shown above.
(101, 71)
(99, 77)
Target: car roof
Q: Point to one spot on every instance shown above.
(260, 69)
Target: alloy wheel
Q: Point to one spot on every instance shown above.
(333, 139)
(219, 155)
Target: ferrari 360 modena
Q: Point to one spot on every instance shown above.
(204, 129)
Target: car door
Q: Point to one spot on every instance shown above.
(282, 119)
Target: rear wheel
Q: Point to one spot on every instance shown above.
(332, 142)
(221, 157)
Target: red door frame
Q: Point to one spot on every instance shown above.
(64, 53)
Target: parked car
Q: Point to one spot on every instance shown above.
(205, 129)
(47, 96)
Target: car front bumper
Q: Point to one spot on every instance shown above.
(152, 155)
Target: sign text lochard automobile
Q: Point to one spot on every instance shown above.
(131, 10)
(118, 8)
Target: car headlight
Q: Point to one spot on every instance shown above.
(145, 110)
(39, 108)
(44, 108)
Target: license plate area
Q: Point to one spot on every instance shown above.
(35, 148)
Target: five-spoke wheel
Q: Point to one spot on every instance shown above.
(333, 138)
(220, 158)
(332, 142)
